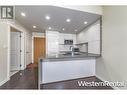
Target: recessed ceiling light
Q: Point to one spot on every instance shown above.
(63, 29)
(47, 17)
(49, 28)
(34, 26)
(85, 22)
(23, 14)
(76, 30)
(68, 20)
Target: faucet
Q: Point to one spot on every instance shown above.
(71, 48)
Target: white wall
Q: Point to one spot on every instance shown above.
(91, 34)
(4, 54)
(5, 47)
(36, 34)
(112, 66)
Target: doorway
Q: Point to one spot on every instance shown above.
(39, 48)
(15, 51)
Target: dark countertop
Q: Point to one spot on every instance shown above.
(66, 57)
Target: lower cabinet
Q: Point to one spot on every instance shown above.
(66, 70)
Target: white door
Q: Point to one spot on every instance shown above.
(28, 48)
(15, 51)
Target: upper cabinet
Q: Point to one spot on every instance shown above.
(55, 41)
(91, 35)
(94, 32)
(64, 36)
(52, 42)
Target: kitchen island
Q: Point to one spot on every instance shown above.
(60, 67)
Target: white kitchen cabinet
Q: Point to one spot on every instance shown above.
(52, 42)
(95, 32)
(91, 35)
(64, 36)
(61, 38)
(67, 70)
(94, 47)
(74, 38)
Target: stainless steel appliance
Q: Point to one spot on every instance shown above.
(68, 42)
(76, 51)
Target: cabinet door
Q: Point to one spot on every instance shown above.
(52, 42)
(66, 70)
(61, 38)
(95, 33)
(94, 47)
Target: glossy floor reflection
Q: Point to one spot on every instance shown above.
(26, 79)
(73, 84)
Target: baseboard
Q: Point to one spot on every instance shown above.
(115, 88)
(4, 81)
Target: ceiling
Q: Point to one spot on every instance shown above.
(35, 15)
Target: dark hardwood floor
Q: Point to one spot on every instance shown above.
(28, 79)
(73, 84)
